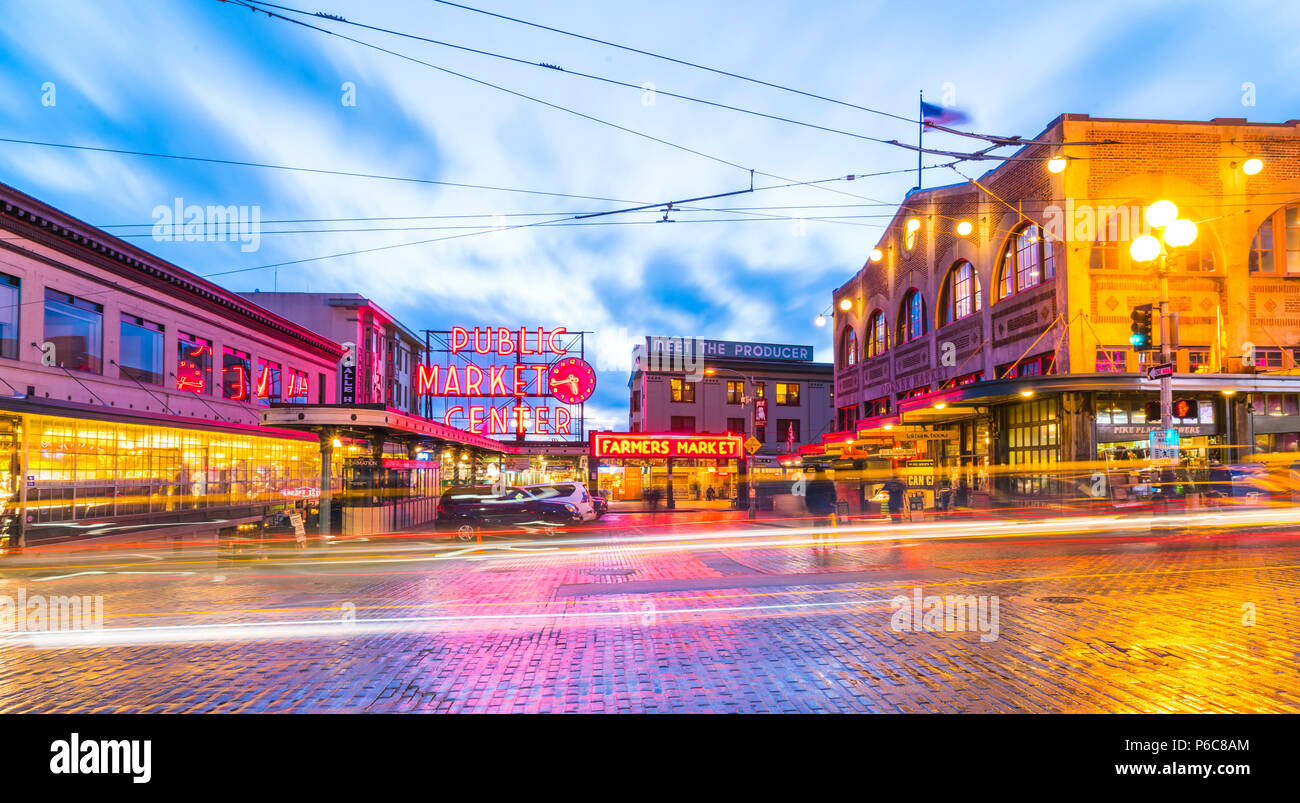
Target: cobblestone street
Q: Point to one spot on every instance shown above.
(688, 616)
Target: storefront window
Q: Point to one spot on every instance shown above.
(140, 355)
(76, 328)
(1032, 445)
(235, 374)
(91, 469)
(193, 363)
(297, 387)
(9, 305)
(267, 387)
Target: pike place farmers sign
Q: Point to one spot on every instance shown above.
(651, 445)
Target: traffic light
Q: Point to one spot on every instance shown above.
(1153, 411)
(1185, 408)
(1141, 318)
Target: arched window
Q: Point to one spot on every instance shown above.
(848, 347)
(911, 317)
(1276, 248)
(1026, 261)
(960, 295)
(875, 338)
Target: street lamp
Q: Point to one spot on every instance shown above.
(750, 402)
(1174, 232)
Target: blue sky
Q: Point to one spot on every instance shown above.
(206, 78)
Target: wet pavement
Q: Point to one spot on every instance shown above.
(703, 612)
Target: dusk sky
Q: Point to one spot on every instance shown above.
(212, 79)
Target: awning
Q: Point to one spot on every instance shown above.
(368, 420)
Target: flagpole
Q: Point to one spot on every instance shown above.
(920, 133)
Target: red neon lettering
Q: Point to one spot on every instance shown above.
(520, 427)
(523, 342)
(476, 419)
(487, 341)
(497, 380)
(550, 341)
(497, 424)
(541, 421)
(504, 344)
(562, 418)
(426, 380)
(519, 389)
(540, 370)
(459, 339)
(453, 381)
(241, 391)
(452, 412)
(264, 382)
(473, 380)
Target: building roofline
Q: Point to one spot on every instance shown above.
(42, 223)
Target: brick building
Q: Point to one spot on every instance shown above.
(990, 326)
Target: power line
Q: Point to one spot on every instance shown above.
(682, 62)
(575, 73)
(322, 171)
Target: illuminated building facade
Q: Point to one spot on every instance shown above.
(132, 389)
(386, 351)
(992, 322)
(773, 392)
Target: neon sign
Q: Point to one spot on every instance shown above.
(649, 445)
(567, 379)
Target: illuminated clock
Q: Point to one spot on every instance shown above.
(572, 380)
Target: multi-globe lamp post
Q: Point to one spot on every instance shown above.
(1170, 232)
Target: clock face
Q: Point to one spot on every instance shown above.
(572, 380)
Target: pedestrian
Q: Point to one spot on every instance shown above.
(820, 499)
(896, 490)
(710, 494)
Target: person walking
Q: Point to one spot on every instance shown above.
(896, 490)
(820, 498)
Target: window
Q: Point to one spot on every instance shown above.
(682, 390)
(1276, 248)
(267, 387)
(735, 392)
(911, 317)
(235, 374)
(877, 407)
(298, 388)
(1111, 360)
(76, 328)
(760, 390)
(1036, 365)
(1272, 358)
(875, 337)
(140, 354)
(636, 401)
(10, 295)
(847, 418)
(1032, 443)
(193, 363)
(1027, 261)
(761, 433)
(736, 426)
(960, 293)
(848, 348)
(786, 426)
(681, 423)
(1198, 361)
(787, 394)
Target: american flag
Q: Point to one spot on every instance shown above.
(789, 438)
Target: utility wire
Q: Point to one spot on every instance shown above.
(566, 71)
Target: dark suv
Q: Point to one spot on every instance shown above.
(468, 510)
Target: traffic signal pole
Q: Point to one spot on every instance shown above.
(1166, 381)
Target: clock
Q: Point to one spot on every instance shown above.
(572, 380)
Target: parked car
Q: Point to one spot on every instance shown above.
(468, 510)
(574, 493)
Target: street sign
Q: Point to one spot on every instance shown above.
(1164, 444)
(753, 444)
(1162, 370)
